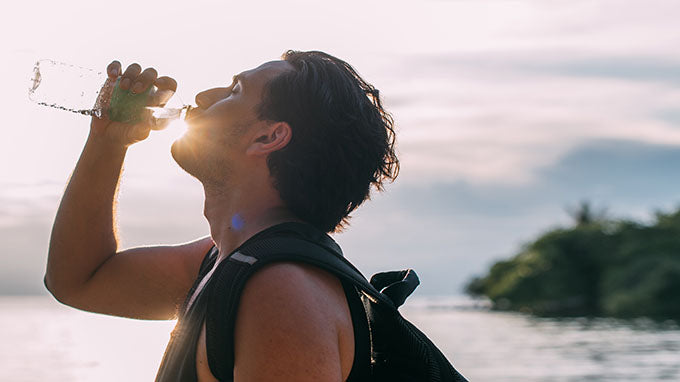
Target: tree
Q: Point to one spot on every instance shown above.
(599, 267)
(585, 214)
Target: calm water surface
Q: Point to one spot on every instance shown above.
(44, 341)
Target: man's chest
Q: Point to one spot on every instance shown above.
(203, 372)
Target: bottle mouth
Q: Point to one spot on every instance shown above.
(170, 113)
(193, 112)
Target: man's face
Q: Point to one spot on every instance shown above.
(218, 129)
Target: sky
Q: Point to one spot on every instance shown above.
(507, 113)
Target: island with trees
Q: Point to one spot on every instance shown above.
(598, 267)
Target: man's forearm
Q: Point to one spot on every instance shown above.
(83, 235)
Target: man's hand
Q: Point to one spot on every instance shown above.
(137, 81)
(85, 268)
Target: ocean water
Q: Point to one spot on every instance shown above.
(42, 340)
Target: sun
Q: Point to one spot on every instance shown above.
(177, 125)
(177, 128)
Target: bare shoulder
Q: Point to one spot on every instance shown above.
(293, 323)
(305, 282)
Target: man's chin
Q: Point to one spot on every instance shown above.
(183, 155)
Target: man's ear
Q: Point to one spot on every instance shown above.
(273, 137)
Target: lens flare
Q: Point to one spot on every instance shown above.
(177, 128)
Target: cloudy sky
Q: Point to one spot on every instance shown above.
(507, 111)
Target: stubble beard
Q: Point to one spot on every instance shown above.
(204, 163)
(207, 169)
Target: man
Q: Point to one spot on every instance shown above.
(297, 141)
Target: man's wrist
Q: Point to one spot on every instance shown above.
(105, 144)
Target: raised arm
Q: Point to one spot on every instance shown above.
(84, 268)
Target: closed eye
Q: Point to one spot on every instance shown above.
(235, 86)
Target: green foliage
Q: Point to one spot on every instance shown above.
(596, 267)
(650, 286)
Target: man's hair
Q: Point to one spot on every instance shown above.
(342, 140)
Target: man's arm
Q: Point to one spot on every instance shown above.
(84, 267)
(293, 324)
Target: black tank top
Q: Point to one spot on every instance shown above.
(179, 361)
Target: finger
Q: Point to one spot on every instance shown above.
(166, 89)
(144, 80)
(161, 97)
(166, 83)
(130, 74)
(113, 70)
(152, 123)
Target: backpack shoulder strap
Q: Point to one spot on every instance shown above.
(297, 249)
(232, 273)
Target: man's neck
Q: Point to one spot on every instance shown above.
(234, 216)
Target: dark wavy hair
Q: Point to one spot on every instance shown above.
(342, 142)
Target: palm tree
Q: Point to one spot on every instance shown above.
(585, 214)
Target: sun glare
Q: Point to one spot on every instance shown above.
(176, 129)
(178, 125)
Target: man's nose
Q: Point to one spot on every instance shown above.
(207, 98)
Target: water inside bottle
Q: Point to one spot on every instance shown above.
(68, 77)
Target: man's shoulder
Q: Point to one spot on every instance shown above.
(296, 281)
(296, 314)
(295, 284)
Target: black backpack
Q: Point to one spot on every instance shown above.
(399, 351)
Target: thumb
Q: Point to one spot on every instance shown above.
(166, 88)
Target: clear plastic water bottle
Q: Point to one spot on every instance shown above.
(86, 91)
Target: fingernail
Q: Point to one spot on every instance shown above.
(138, 87)
(125, 83)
